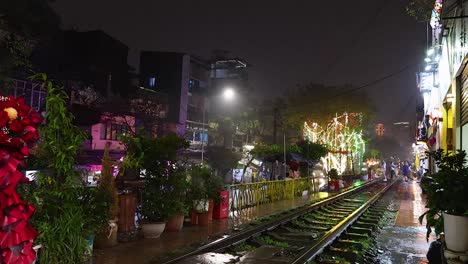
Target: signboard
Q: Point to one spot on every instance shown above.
(426, 81)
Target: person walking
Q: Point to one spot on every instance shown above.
(383, 167)
(406, 171)
(392, 170)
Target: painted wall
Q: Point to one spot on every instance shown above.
(98, 142)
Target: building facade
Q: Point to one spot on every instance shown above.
(444, 84)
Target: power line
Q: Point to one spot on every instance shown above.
(353, 43)
(370, 83)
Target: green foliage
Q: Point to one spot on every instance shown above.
(333, 174)
(67, 213)
(420, 9)
(242, 247)
(204, 184)
(320, 103)
(20, 33)
(61, 139)
(222, 159)
(107, 185)
(165, 181)
(269, 241)
(312, 151)
(446, 189)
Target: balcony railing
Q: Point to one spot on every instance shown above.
(32, 92)
(253, 194)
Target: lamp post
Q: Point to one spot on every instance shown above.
(228, 95)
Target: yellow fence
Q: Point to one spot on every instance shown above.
(252, 194)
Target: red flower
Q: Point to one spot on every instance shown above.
(31, 135)
(3, 154)
(16, 127)
(23, 110)
(35, 117)
(16, 142)
(25, 151)
(26, 121)
(3, 118)
(4, 137)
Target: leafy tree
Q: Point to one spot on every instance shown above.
(24, 24)
(420, 9)
(319, 103)
(312, 151)
(374, 153)
(222, 159)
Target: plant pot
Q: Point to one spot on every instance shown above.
(194, 217)
(203, 219)
(201, 205)
(153, 230)
(127, 209)
(107, 238)
(210, 210)
(175, 222)
(456, 232)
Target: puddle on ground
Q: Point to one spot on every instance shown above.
(403, 245)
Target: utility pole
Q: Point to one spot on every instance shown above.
(275, 123)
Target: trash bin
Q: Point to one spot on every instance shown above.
(221, 209)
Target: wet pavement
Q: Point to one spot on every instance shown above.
(404, 241)
(174, 243)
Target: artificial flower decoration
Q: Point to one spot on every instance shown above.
(18, 132)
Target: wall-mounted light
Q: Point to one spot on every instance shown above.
(430, 52)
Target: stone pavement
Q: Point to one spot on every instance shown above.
(405, 240)
(172, 243)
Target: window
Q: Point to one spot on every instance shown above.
(113, 131)
(152, 82)
(194, 84)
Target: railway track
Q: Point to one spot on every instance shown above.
(334, 230)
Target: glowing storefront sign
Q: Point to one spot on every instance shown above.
(426, 81)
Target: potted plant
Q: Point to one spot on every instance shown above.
(154, 205)
(165, 182)
(107, 236)
(198, 194)
(446, 199)
(334, 177)
(214, 185)
(177, 182)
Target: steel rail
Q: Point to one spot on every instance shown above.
(318, 246)
(243, 235)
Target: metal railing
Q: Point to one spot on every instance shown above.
(253, 194)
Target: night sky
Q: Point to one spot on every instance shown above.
(287, 42)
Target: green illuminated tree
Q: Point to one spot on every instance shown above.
(319, 103)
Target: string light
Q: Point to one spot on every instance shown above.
(343, 138)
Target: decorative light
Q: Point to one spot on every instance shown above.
(430, 52)
(428, 68)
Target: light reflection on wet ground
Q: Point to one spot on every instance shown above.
(405, 241)
(150, 250)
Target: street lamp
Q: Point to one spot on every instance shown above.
(228, 95)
